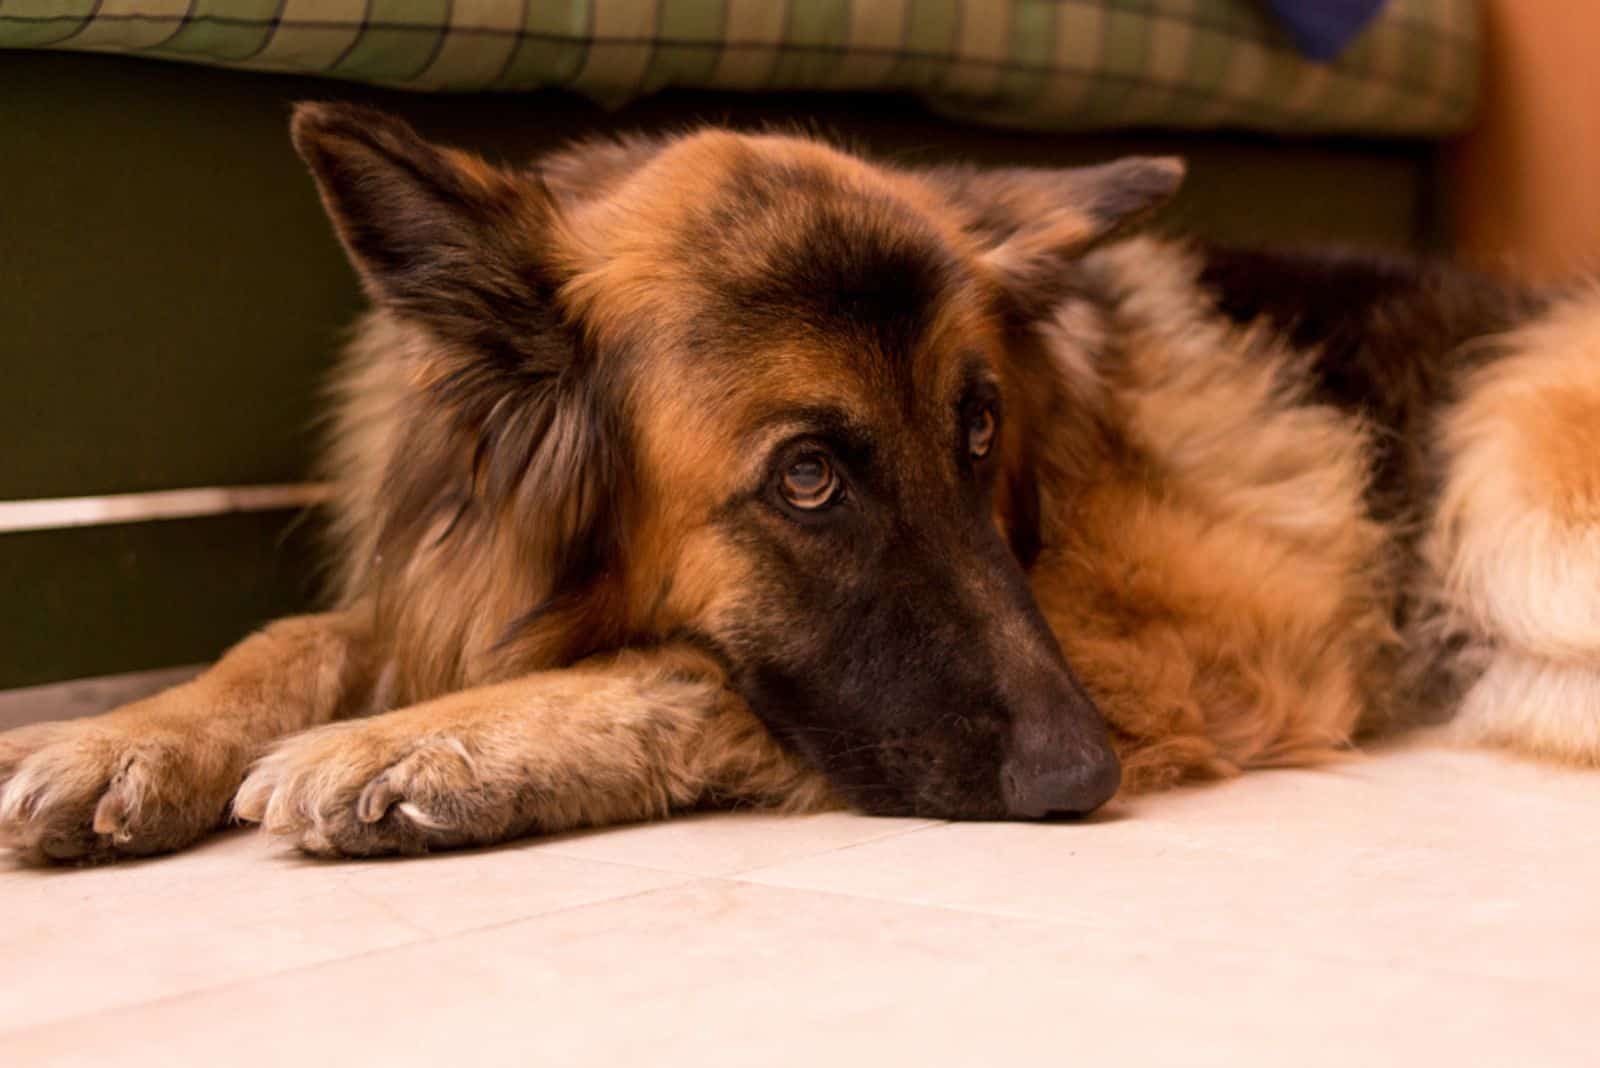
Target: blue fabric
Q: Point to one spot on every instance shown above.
(1322, 28)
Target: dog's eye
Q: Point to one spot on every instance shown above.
(980, 432)
(810, 482)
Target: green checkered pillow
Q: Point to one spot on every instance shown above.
(1076, 64)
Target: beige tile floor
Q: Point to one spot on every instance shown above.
(1419, 906)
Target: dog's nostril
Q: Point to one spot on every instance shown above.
(1071, 791)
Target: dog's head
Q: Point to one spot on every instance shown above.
(759, 394)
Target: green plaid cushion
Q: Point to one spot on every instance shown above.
(1076, 64)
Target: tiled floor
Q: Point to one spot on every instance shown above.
(1422, 906)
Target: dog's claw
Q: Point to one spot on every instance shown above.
(250, 802)
(377, 799)
(111, 815)
(421, 818)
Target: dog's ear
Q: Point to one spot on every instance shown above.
(437, 235)
(446, 241)
(1033, 222)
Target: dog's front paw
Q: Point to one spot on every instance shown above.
(362, 789)
(90, 790)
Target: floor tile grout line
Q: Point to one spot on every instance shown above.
(1188, 940)
(429, 934)
(424, 935)
(386, 908)
(555, 850)
(360, 955)
(534, 845)
(884, 837)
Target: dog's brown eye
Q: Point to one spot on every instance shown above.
(810, 482)
(980, 432)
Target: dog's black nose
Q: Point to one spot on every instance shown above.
(1075, 790)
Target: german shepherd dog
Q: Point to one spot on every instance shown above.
(723, 469)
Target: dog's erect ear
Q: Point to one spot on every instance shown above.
(446, 241)
(1035, 221)
(437, 235)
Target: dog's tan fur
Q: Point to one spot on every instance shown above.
(1225, 603)
(1515, 546)
(155, 775)
(1209, 564)
(633, 736)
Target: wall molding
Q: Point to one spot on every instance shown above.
(62, 513)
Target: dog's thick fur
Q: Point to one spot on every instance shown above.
(1261, 502)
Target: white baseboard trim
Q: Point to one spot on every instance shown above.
(61, 513)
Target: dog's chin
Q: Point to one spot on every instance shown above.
(886, 778)
(927, 799)
(905, 774)
(931, 809)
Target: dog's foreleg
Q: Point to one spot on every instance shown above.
(631, 736)
(155, 775)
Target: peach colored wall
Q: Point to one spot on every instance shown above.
(1526, 182)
